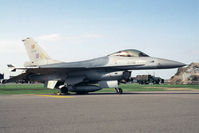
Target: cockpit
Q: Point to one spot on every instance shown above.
(129, 53)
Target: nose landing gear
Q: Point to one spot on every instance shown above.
(119, 91)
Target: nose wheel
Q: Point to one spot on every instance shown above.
(119, 90)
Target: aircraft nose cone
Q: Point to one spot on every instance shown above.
(163, 63)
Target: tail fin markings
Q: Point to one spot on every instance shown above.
(36, 54)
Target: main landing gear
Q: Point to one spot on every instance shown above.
(64, 91)
(119, 90)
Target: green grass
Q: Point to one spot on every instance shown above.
(133, 87)
(25, 89)
(39, 88)
(137, 87)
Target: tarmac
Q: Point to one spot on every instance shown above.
(137, 112)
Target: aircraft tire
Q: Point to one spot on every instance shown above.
(64, 90)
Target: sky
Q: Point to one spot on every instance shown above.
(74, 30)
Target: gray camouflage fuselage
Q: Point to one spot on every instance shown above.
(82, 76)
(103, 68)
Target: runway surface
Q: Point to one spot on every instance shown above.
(138, 112)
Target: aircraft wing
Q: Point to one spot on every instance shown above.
(49, 69)
(46, 70)
(66, 70)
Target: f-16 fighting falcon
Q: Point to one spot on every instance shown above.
(89, 75)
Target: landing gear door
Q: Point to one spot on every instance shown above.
(51, 84)
(108, 84)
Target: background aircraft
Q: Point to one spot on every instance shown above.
(89, 75)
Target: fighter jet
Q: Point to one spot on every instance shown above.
(89, 75)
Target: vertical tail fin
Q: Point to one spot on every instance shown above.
(36, 54)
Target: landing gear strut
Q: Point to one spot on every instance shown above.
(119, 90)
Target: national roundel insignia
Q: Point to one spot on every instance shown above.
(37, 55)
(32, 46)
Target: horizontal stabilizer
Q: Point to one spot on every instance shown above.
(10, 65)
(11, 68)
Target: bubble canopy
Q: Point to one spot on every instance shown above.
(129, 53)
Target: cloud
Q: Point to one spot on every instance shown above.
(91, 36)
(59, 37)
(16, 46)
(50, 37)
(9, 46)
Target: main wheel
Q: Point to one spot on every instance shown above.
(64, 90)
